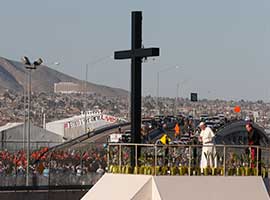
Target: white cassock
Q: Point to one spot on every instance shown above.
(208, 149)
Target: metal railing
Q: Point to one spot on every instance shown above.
(84, 166)
(86, 136)
(15, 145)
(225, 160)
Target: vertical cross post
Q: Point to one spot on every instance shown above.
(136, 54)
(136, 77)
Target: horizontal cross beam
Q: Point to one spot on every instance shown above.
(138, 53)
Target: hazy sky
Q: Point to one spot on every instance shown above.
(223, 46)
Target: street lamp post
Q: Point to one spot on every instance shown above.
(91, 64)
(24, 105)
(176, 99)
(24, 111)
(29, 67)
(54, 96)
(180, 85)
(43, 119)
(158, 73)
(85, 101)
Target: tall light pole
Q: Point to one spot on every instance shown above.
(24, 104)
(54, 96)
(29, 66)
(158, 73)
(85, 101)
(91, 64)
(180, 85)
(24, 110)
(176, 99)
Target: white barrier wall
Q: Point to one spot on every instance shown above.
(75, 126)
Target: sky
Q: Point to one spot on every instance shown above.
(222, 47)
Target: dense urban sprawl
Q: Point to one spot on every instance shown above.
(58, 106)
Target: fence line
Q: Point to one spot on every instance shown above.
(252, 160)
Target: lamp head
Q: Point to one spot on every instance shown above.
(38, 62)
(25, 60)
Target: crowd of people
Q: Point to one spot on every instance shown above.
(58, 167)
(69, 166)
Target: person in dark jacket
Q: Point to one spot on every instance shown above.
(254, 140)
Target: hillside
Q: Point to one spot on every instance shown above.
(13, 77)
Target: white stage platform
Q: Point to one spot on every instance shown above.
(143, 187)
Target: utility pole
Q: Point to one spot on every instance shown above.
(29, 66)
(85, 98)
(176, 100)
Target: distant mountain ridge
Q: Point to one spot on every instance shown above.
(13, 76)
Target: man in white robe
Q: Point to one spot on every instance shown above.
(208, 149)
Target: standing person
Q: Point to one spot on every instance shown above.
(165, 139)
(88, 132)
(254, 140)
(186, 126)
(120, 129)
(191, 125)
(208, 149)
(177, 131)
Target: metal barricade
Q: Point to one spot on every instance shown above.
(86, 164)
(222, 160)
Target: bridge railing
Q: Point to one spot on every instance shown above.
(17, 145)
(222, 160)
(86, 136)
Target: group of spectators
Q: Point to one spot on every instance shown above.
(69, 166)
(54, 167)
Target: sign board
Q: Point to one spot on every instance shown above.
(165, 139)
(90, 119)
(115, 137)
(193, 97)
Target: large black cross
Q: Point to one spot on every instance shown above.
(136, 54)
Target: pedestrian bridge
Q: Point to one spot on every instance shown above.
(234, 133)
